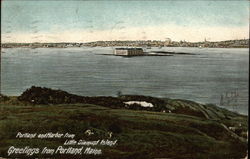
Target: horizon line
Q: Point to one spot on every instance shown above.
(128, 40)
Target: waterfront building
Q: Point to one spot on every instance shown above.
(128, 51)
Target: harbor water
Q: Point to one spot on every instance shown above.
(210, 75)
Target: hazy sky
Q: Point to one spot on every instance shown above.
(82, 21)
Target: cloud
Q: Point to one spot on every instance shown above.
(175, 32)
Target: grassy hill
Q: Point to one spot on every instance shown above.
(174, 129)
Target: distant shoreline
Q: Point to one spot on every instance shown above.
(242, 43)
(124, 46)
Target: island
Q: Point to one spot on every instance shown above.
(142, 126)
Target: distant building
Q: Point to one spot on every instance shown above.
(128, 51)
(167, 42)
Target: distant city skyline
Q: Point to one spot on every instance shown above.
(86, 21)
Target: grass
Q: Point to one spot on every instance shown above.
(140, 134)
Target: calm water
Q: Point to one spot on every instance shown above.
(204, 77)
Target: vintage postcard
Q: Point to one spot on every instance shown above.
(115, 79)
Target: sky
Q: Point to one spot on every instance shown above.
(85, 21)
